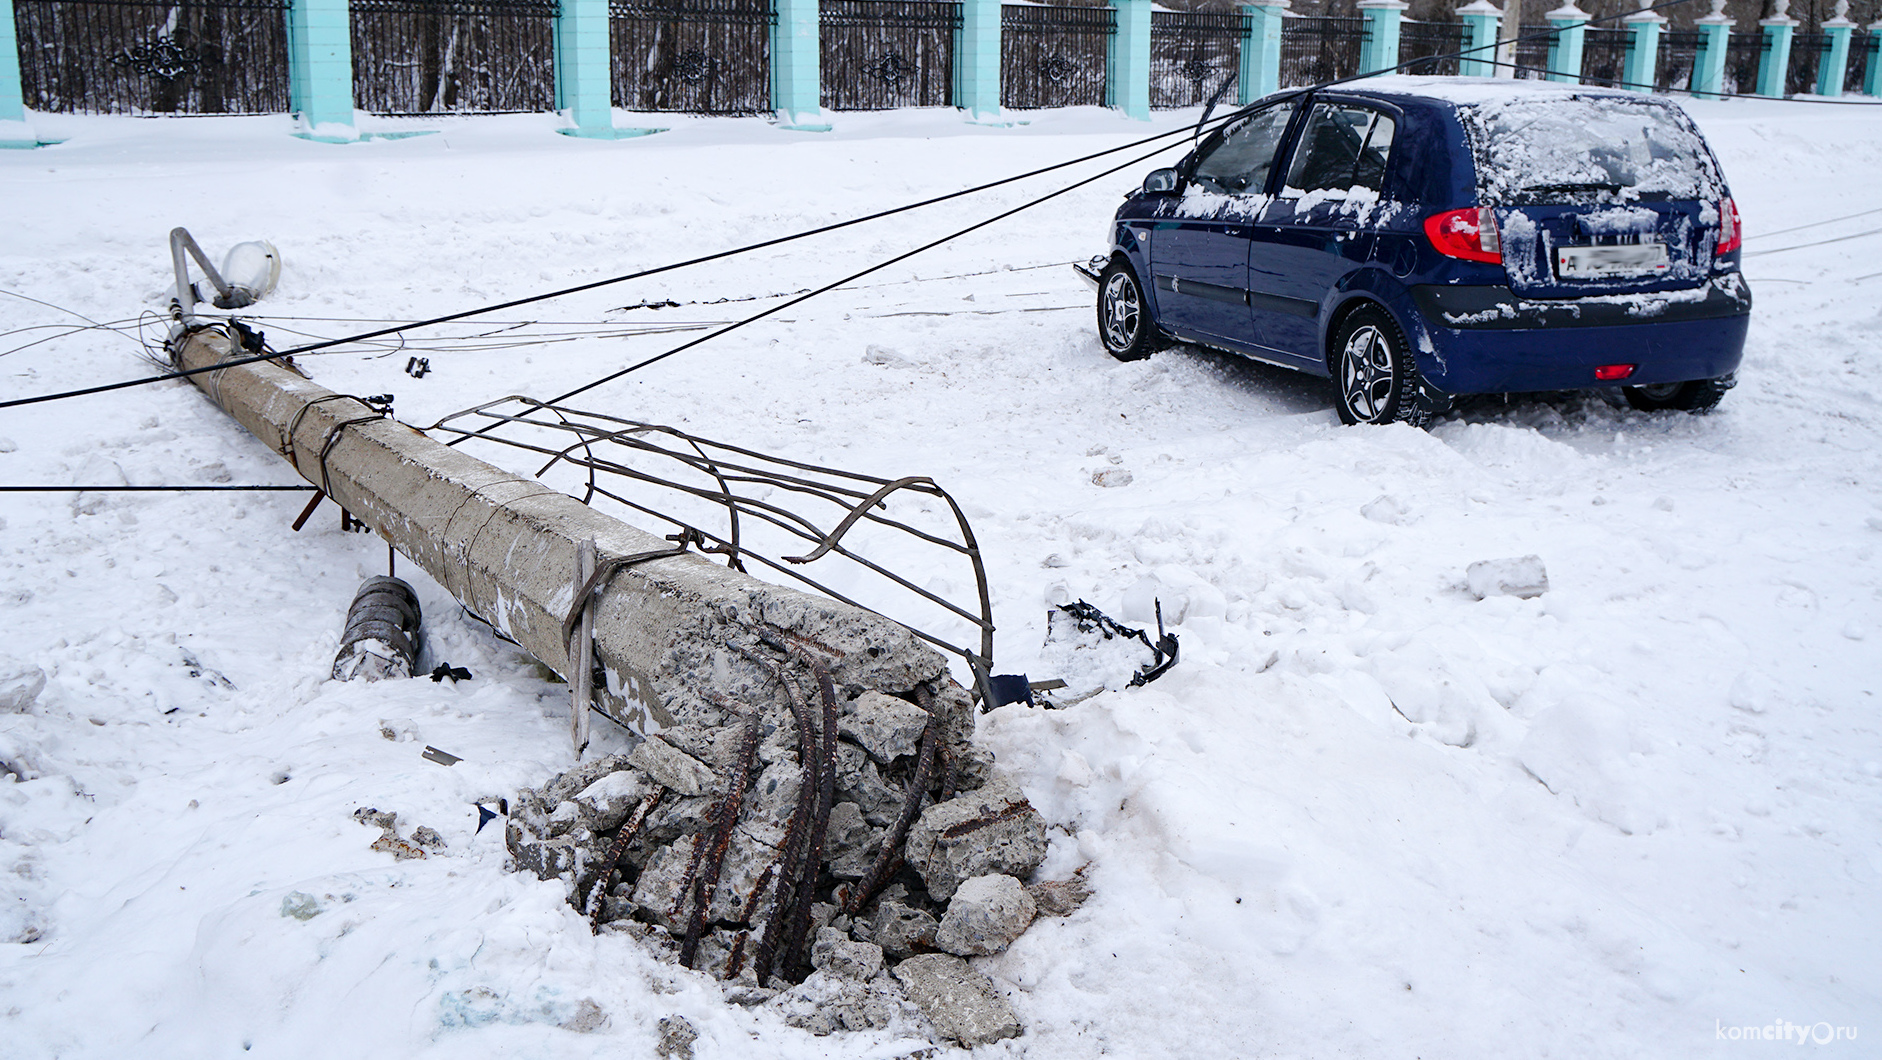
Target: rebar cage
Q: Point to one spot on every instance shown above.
(751, 508)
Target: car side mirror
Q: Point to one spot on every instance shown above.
(1161, 182)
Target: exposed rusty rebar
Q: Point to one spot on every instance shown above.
(706, 884)
(890, 856)
(593, 905)
(788, 872)
(796, 952)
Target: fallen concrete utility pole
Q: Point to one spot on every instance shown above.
(672, 635)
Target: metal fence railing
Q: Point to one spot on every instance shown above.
(1742, 54)
(137, 57)
(1421, 43)
(691, 56)
(1054, 56)
(1316, 49)
(1192, 54)
(883, 54)
(1807, 54)
(1604, 55)
(436, 56)
(1679, 57)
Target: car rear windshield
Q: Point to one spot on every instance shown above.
(1586, 149)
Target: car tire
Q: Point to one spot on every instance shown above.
(1124, 323)
(1375, 379)
(1697, 395)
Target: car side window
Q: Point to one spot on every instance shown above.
(1343, 147)
(1240, 162)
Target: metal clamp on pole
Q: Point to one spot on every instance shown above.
(583, 682)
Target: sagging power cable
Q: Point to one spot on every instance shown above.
(1155, 138)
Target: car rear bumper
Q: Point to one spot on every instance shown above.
(1485, 340)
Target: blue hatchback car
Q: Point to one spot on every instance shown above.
(1417, 239)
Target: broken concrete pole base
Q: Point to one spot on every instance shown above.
(961, 1003)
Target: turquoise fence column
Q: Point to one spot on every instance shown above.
(1127, 61)
(1379, 51)
(1708, 68)
(320, 70)
(977, 62)
(1775, 65)
(1834, 66)
(1872, 73)
(1481, 20)
(1643, 48)
(1571, 25)
(796, 67)
(584, 91)
(14, 131)
(1260, 74)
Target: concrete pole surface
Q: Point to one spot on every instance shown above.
(506, 546)
(1571, 25)
(320, 69)
(1482, 22)
(1260, 74)
(1708, 71)
(1775, 65)
(1379, 51)
(1642, 68)
(1127, 66)
(977, 63)
(797, 66)
(1834, 66)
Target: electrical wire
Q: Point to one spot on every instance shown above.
(155, 489)
(1155, 138)
(1813, 224)
(1817, 243)
(1614, 82)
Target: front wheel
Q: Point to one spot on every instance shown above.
(1375, 378)
(1697, 395)
(1124, 322)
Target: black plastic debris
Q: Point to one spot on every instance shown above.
(1094, 652)
(444, 670)
(443, 758)
(1009, 688)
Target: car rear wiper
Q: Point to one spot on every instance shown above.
(1587, 185)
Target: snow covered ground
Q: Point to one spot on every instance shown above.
(1368, 815)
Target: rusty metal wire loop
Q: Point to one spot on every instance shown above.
(598, 447)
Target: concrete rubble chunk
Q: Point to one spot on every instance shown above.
(746, 859)
(836, 954)
(566, 786)
(771, 802)
(657, 891)
(991, 830)
(850, 843)
(961, 1003)
(902, 929)
(674, 818)
(676, 1038)
(825, 1003)
(1524, 577)
(985, 915)
(1059, 897)
(859, 781)
(608, 801)
(671, 767)
(885, 726)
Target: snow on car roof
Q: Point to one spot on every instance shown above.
(1476, 90)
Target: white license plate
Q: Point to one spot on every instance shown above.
(1599, 263)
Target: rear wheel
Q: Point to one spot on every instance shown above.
(1375, 379)
(1695, 396)
(1124, 322)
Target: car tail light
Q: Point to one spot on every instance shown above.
(1608, 373)
(1469, 234)
(1730, 231)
